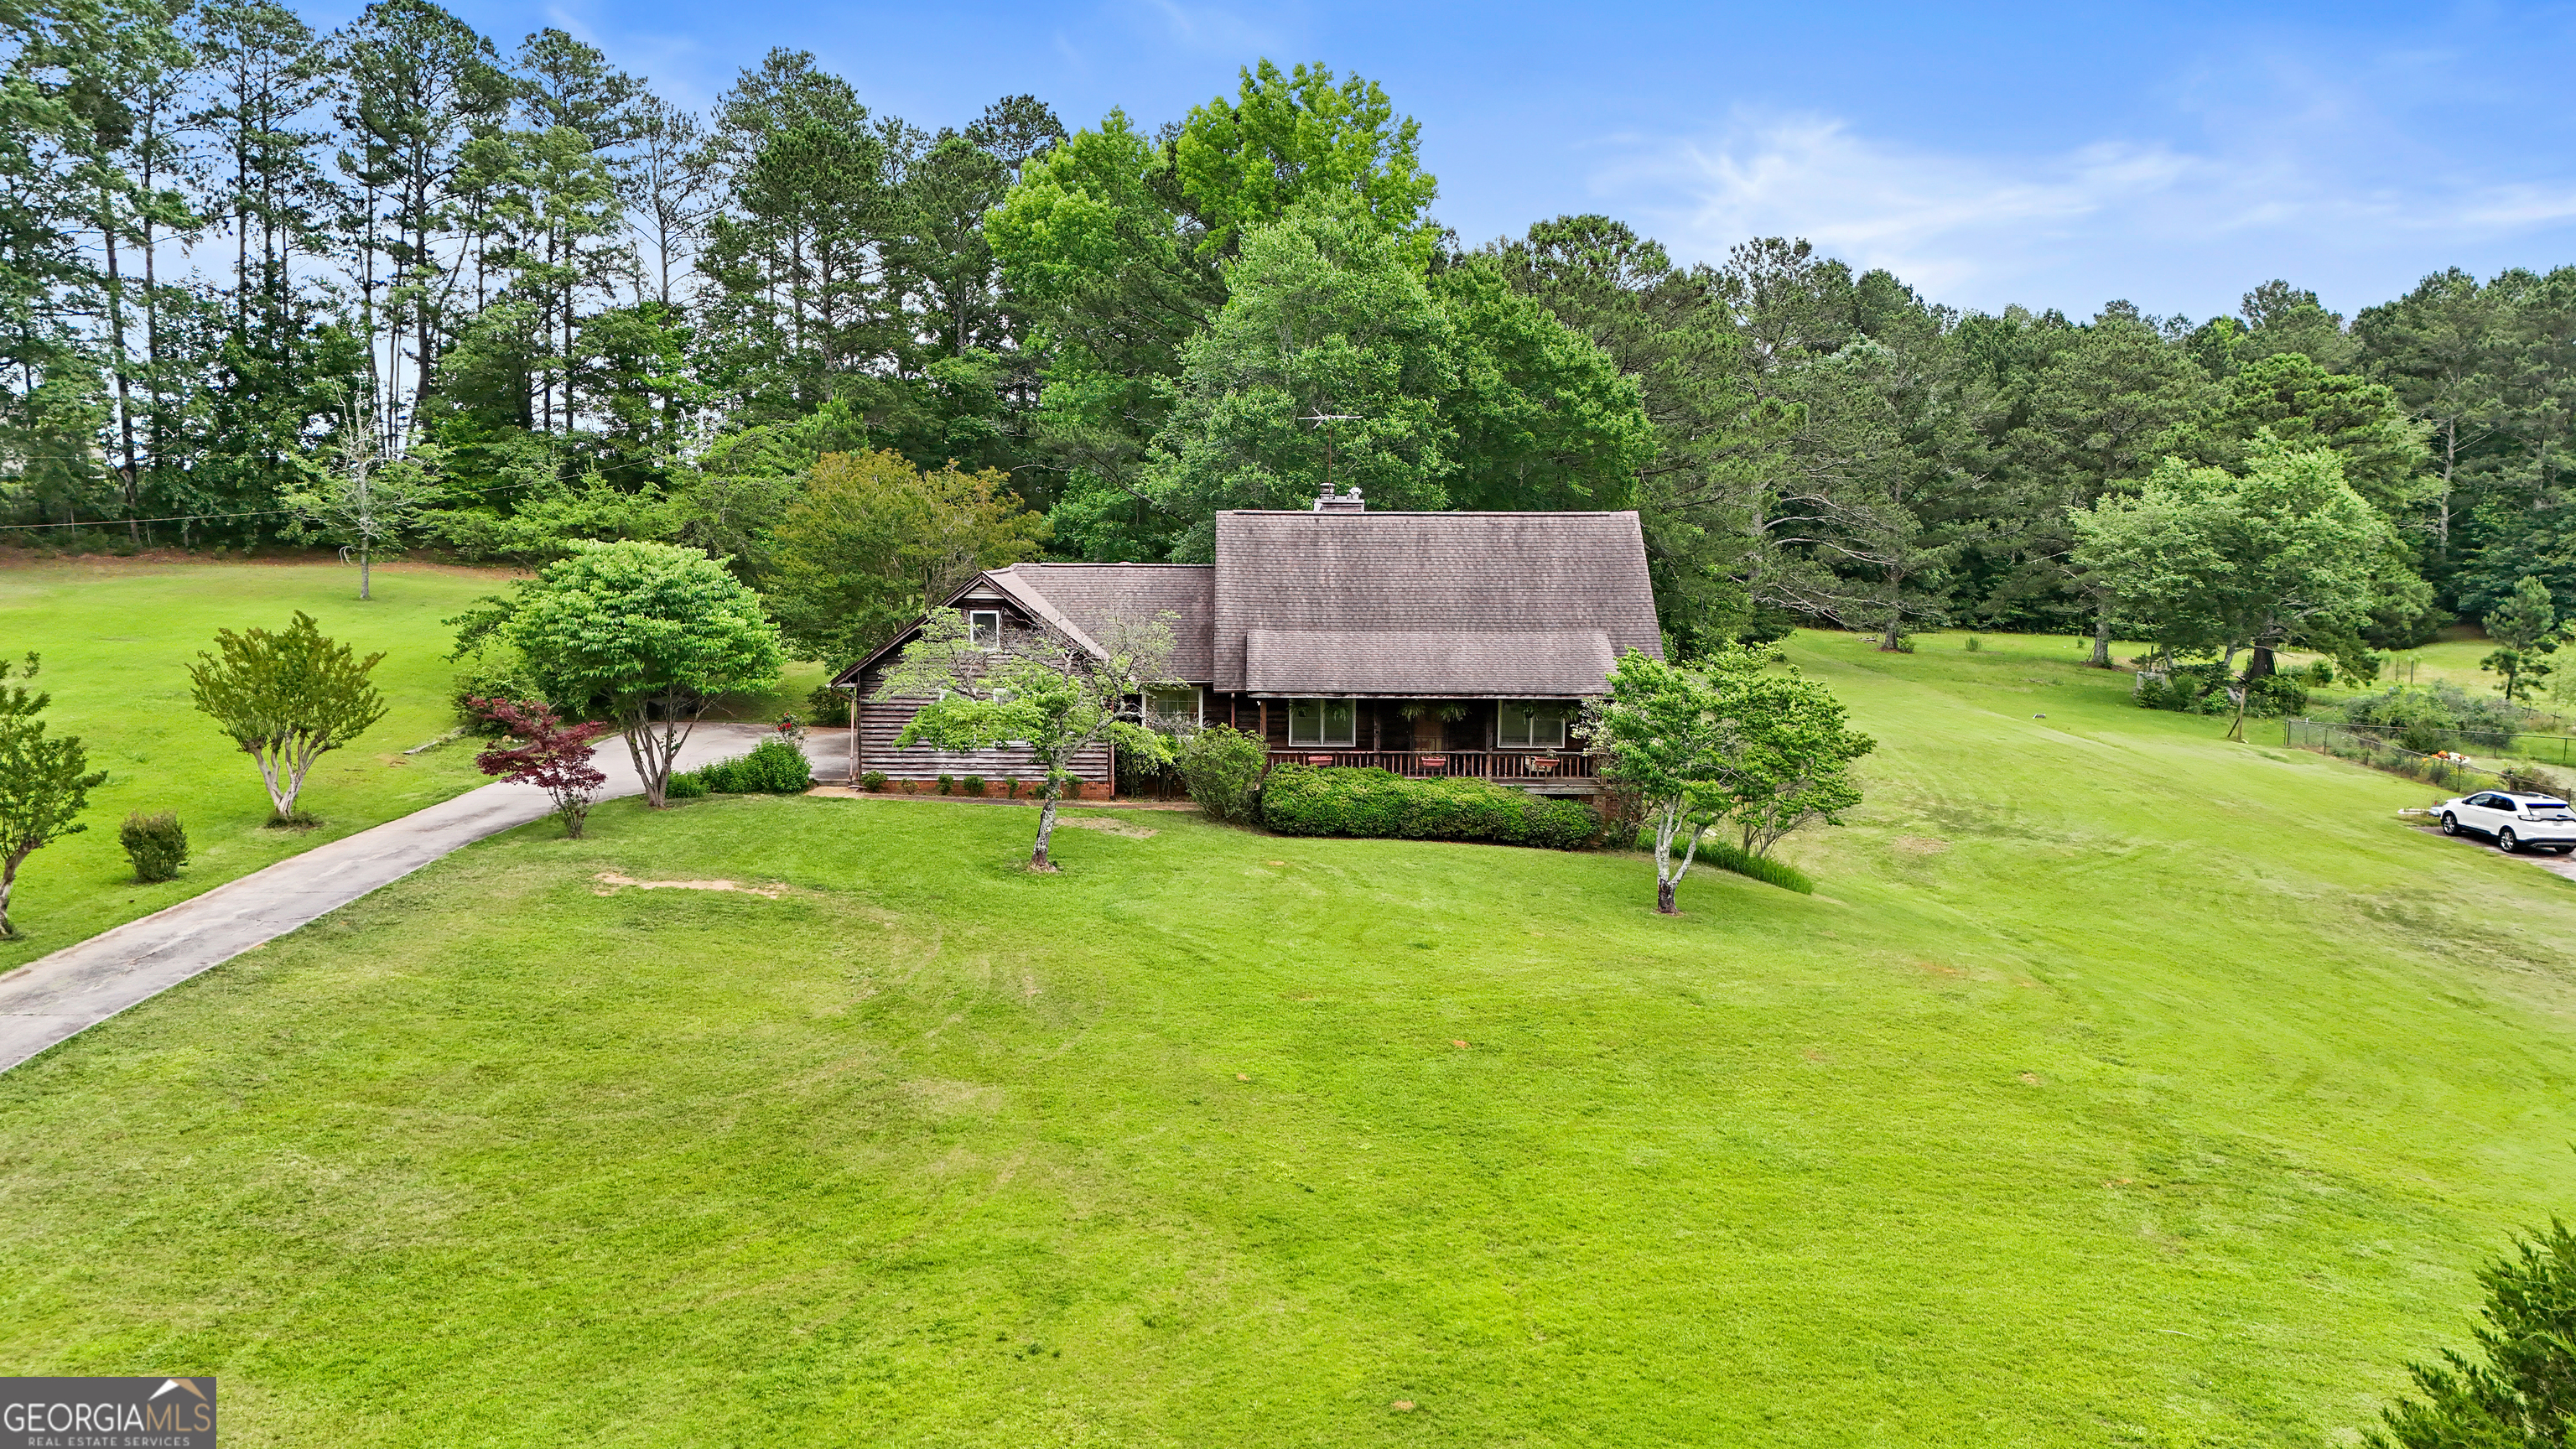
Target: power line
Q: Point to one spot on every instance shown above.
(215, 517)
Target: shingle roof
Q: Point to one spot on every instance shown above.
(1411, 662)
(1080, 598)
(1486, 603)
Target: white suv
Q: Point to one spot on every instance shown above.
(2517, 822)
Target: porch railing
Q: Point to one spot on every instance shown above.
(1518, 766)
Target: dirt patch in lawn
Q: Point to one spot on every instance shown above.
(1920, 845)
(1107, 825)
(610, 883)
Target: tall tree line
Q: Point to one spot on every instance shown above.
(236, 253)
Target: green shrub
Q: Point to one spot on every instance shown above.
(685, 785)
(1336, 800)
(1763, 868)
(2276, 694)
(874, 780)
(774, 767)
(947, 784)
(1222, 767)
(2320, 674)
(2518, 1391)
(490, 678)
(156, 845)
(2482, 722)
(1974, 644)
(972, 785)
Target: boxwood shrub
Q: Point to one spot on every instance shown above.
(1337, 800)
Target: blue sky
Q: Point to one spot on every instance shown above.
(2054, 155)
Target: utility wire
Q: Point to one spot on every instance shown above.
(214, 517)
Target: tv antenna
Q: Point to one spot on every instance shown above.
(1319, 417)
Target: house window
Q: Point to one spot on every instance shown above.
(1323, 722)
(1533, 724)
(1176, 707)
(984, 628)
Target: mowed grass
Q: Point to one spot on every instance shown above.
(2120, 1086)
(117, 636)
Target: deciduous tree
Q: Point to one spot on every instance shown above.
(1792, 751)
(1666, 743)
(1040, 690)
(551, 754)
(369, 504)
(44, 783)
(286, 698)
(872, 541)
(1330, 361)
(652, 631)
(2213, 560)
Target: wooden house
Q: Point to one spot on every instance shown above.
(1423, 643)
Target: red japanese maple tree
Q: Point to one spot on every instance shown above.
(549, 754)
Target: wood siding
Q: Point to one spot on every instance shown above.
(881, 720)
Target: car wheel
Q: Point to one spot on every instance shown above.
(2450, 823)
(2505, 841)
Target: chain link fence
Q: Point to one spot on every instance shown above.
(2447, 770)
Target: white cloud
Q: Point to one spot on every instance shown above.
(1980, 229)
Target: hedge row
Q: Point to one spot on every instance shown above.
(1302, 800)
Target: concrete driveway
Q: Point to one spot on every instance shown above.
(53, 997)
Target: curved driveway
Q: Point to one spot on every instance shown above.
(53, 997)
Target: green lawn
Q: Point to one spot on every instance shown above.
(2120, 1086)
(117, 637)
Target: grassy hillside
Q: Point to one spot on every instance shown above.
(117, 637)
(2120, 1086)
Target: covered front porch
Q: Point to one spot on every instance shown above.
(1567, 772)
(1521, 742)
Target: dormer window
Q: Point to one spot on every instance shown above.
(984, 628)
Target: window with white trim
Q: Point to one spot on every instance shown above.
(1530, 724)
(984, 628)
(1170, 707)
(1323, 722)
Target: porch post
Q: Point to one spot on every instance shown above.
(856, 744)
(1265, 724)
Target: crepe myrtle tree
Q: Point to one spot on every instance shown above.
(653, 630)
(44, 783)
(287, 699)
(1037, 689)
